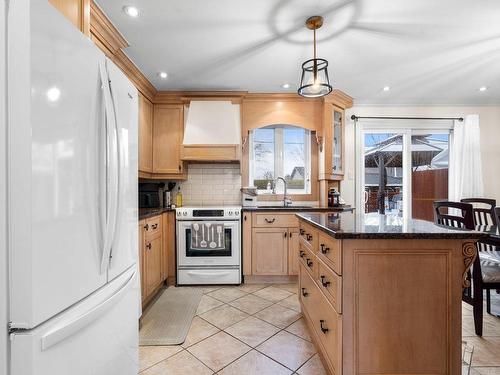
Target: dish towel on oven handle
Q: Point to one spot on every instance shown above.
(207, 236)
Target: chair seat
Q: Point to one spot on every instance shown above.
(491, 272)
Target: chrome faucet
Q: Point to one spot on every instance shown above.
(286, 200)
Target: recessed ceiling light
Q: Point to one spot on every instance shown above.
(53, 94)
(386, 88)
(483, 88)
(285, 85)
(163, 75)
(131, 11)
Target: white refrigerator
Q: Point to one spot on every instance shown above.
(71, 171)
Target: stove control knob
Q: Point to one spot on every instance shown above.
(230, 213)
(178, 213)
(237, 213)
(185, 213)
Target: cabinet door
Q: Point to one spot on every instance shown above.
(77, 11)
(152, 264)
(145, 135)
(141, 249)
(293, 251)
(168, 133)
(270, 251)
(337, 141)
(168, 225)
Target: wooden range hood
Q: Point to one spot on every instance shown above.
(212, 132)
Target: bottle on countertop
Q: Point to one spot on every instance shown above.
(178, 198)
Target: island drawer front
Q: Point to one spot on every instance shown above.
(308, 260)
(309, 294)
(153, 226)
(270, 219)
(330, 251)
(308, 236)
(323, 318)
(331, 285)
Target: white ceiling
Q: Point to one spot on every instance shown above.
(427, 51)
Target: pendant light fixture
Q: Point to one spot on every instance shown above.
(314, 82)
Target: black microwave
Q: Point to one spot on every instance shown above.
(149, 195)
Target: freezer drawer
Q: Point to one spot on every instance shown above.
(99, 336)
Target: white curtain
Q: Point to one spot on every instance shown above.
(465, 175)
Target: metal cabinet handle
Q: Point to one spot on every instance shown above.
(146, 226)
(180, 168)
(284, 234)
(290, 235)
(245, 217)
(154, 226)
(309, 236)
(324, 250)
(323, 282)
(309, 262)
(304, 293)
(301, 254)
(269, 221)
(302, 232)
(323, 329)
(148, 246)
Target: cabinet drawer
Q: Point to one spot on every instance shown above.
(327, 325)
(331, 285)
(270, 219)
(308, 260)
(153, 226)
(330, 251)
(309, 236)
(309, 294)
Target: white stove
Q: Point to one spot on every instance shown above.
(208, 245)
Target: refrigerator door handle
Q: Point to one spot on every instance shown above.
(61, 333)
(118, 166)
(112, 196)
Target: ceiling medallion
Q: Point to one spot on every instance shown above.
(314, 82)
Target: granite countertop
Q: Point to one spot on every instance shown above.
(145, 213)
(348, 225)
(297, 209)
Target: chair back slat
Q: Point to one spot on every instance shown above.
(484, 210)
(455, 215)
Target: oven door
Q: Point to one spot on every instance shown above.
(228, 256)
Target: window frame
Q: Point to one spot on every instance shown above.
(406, 128)
(278, 160)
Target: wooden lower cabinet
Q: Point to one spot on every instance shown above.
(270, 244)
(156, 245)
(270, 251)
(152, 263)
(395, 309)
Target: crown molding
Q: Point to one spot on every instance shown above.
(107, 37)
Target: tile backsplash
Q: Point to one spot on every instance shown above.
(212, 185)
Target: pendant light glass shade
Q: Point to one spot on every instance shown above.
(315, 81)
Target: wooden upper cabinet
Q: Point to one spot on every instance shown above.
(270, 251)
(168, 133)
(145, 135)
(77, 11)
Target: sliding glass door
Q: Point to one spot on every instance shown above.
(402, 168)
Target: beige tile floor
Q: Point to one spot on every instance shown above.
(258, 329)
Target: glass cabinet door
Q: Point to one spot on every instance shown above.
(337, 142)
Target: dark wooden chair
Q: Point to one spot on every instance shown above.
(486, 214)
(456, 215)
(459, 215)
(483, 210)
(485, 274)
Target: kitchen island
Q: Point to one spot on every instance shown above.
(381, 294)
